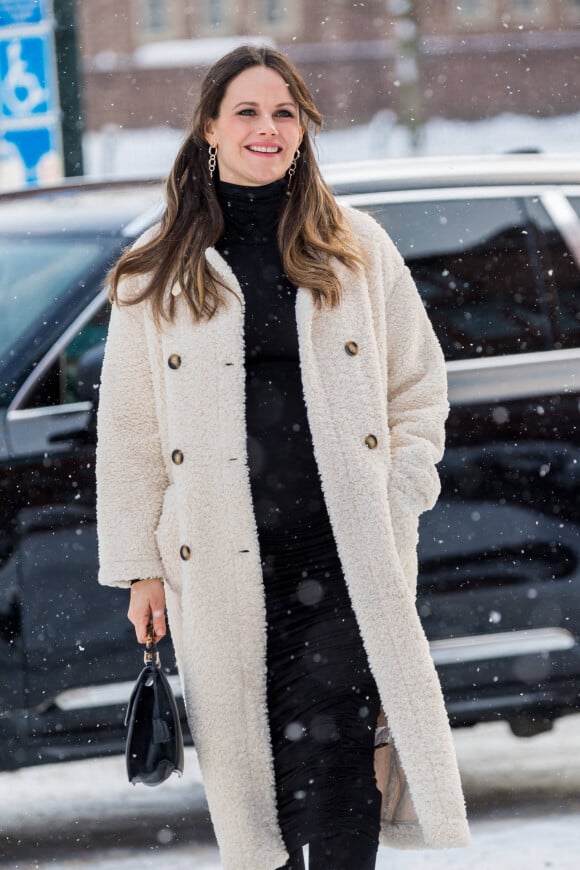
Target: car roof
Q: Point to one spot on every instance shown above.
(75, 207)
(418, 173)
(127, 207)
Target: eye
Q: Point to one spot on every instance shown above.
(247, 112)
(285, 113)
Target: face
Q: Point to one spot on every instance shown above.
(257, 130)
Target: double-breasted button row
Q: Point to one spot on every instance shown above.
(351, 347)
(177, 457)
(174, 361)
(185, 552)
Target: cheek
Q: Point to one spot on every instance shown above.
(229, 135)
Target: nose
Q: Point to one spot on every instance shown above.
(268, 126)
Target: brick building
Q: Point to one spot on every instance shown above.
(143, 59)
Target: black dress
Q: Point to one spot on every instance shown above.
(322, 699)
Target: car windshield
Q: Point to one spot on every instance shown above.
(34, 274)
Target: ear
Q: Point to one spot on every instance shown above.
(210, 133)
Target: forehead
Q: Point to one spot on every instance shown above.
(258, 83)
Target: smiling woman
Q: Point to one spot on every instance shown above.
(256, 141)
(272, 408)
(252, 100)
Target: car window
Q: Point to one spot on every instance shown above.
(560, 276)
(473, 265)
(65, 382)
(33, 274)
(575, 201)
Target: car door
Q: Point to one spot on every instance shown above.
(499, 561)
(75, 633)
(11, 642)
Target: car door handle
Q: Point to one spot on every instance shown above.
(32, 431)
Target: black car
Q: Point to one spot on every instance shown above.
(494, 246)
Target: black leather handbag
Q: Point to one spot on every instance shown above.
(154, 747)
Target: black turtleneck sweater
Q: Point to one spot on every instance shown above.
(283, 471)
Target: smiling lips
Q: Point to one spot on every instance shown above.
(264, 149)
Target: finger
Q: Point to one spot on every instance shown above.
(142, 628)
(159, 624)
(139, 615)
(147, 607)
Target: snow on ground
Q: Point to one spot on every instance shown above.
(534, 844)
(115, 152)
(523, 798)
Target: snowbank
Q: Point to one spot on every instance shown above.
(115, 152)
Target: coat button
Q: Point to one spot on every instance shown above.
(177, 457)
(174, 361)
(185, 552)
(351, 347)
(371, 441)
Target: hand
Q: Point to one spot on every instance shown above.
(148, 605)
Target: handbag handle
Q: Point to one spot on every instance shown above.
(151, 653)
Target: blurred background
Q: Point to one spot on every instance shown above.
(106, 87)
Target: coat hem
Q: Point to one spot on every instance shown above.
(452, 835)
(275, 858)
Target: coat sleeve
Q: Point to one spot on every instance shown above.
(131, 475)
(416, 394)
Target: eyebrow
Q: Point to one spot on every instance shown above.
(250, 103)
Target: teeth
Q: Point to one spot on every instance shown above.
(265, 149)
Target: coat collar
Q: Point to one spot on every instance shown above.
(220, 267)
(305, 307)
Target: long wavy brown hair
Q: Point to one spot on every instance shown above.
(311, 229)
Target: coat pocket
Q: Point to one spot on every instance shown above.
(167, 537)
(405, 524)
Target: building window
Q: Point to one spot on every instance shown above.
(157, 14)
(280, 17)
(530, 11)
(469, 13)
(215, 14)
(572, 11)
(215, 17)
(275, 11)
(155, 19)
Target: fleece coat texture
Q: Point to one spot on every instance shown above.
(181, 387)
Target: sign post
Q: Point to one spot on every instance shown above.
(30, 136)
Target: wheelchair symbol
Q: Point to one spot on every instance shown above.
(22, 91)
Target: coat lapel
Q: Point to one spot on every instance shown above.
(222, 652)
(346, 402)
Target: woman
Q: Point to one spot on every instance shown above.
(272, 408)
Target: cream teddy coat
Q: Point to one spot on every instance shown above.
(174, 501)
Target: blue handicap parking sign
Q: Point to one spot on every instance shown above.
(26, 80)
(30, 134)
(14, 12)
(39, 152)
